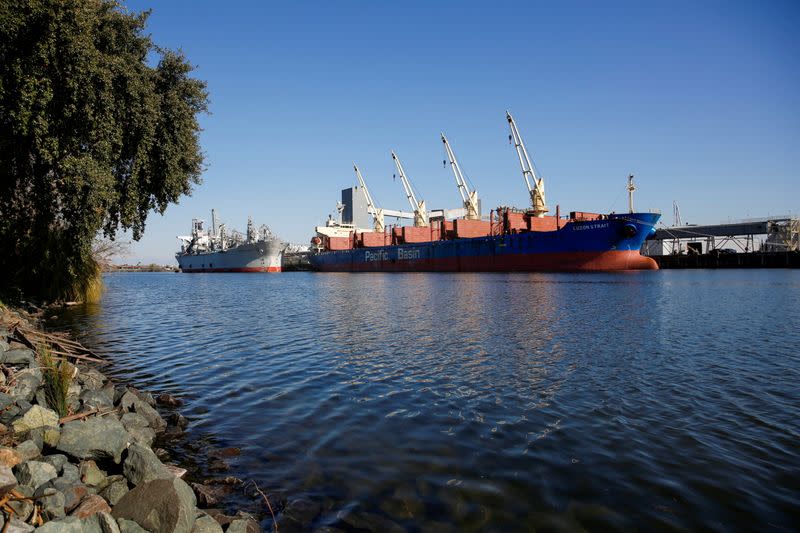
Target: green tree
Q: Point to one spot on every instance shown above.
(98, 127)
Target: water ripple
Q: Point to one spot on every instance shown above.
(493, 402)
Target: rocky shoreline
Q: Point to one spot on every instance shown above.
(95, 469)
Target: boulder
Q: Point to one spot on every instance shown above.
(244, 525)
(26, 384)
(91, 474)
(206, 495)
(96, 438)
(131, 402)
(169, 400)
(15, 525)
(49, 435)
(143, 435)
(9, 412)
(73, 496)
(142, 465)
(52, 503)
(58, 461)
(90, 378)
(28, 450)
(164, 505)
(96, 399)
(100, 522)
(129, 526)
(9, 457)
(90, 505)
(7, 481)
(22, 508)
(114, 491)
(35, 473)
(70, 524)
(71, 472)
(178, 420)
(206, 524)
(221, 518)
(35, 417)
(133, 420)
(18, 356)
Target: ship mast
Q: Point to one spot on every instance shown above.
(536, 190)
(631, 188)
(470, 199)
(376, 213)
(420, 212)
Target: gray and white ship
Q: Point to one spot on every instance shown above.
(220, 250)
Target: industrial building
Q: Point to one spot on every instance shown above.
(780, 234)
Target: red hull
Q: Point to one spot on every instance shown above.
(247, 269)
(540, 262)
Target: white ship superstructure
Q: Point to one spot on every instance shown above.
(219, 250)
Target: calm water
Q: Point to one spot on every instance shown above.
(480, 401)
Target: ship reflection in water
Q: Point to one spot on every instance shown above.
(493, 402)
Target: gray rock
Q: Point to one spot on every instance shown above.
(131, 420)
(18, 356)
(243, 525)
(130, 402)
(28, 450)
(15, 525)
(35, 473)
(142, 465)
(164, 505)
(97, 438)
(35, 417)
(114, 491)
(96, 399)
(91, 379)
(73, 397)
(57, 460)
(71, 472)
(129, 526)
(206, 524)
(9, 412)
(101, 522)
(27, 383)
(4, 347)
(73, 496)
(91, 474)
(22, 508)
(144, 436)
(113, 478)
(52, 502)
(5, 399)
(69, 524)
(49, 435)
(7, 480)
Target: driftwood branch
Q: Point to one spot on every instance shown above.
(269, 506)
(66, 347)
(85, 414)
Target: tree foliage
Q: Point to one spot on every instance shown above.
(98, 127)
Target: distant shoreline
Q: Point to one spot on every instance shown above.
(140, 268)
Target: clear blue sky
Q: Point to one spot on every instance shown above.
(700, 100)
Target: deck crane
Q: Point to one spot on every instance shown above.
(374, 210)
(420, 211)
(470, 199)
(528, 171)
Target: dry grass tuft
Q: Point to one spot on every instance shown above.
(57, 377)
